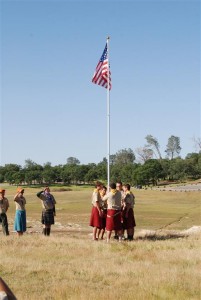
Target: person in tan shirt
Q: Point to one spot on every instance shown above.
(119, 187)
(128, 212)
(48, 213)
(96, 212)
(4, 205)
(113, 221)
(20, 215)
(104, 212)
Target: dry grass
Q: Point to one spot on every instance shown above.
(70, 268)
(164, 264)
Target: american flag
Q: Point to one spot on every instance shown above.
(101, 73)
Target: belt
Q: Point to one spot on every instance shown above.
(114, 214)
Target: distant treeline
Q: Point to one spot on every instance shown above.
(123, 167)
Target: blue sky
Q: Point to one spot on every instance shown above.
(50, 110)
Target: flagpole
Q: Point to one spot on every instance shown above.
(108, 118)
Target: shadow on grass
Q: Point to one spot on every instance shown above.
(161, 237)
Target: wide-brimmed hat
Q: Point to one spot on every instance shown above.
(20, 190)
(1, 190)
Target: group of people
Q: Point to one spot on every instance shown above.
(113, 211)
(48, 211)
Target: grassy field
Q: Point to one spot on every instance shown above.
(162, 264)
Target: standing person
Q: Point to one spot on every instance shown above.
(20, 215)
(96, 213)
(113, 221)
(128, 213)
(119, 187)
(48, 212)
(104, 211)
(4, 205)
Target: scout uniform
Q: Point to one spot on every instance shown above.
(96, 219)
(20, 215)
(128, 214)
(4, 205)
(113, 221)
(48, 204)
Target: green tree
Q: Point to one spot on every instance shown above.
(73, 161)
(152, 171)
(91, 175)
(124, 156)
(10, 171)
(153, 143)
(173, 146)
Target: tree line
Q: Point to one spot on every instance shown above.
(123, 167)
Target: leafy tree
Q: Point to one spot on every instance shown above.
(127, 172)
(173, 146)
(81, 172)
(2, 174)
(91, 175)
(73, 161)
(29, 164)
(139, 177)
(152, 171)
(66, 175)
(48, 175)
(19, 177)
(192, 165)
(153, 143)
(115, 173)
(33, 172)
(102, 170)
(177, 169)
(10, 171)
(124, 156)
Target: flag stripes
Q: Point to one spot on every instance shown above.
(100, 76)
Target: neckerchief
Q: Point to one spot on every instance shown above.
(113, 191)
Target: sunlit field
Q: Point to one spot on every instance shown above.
(163, 262)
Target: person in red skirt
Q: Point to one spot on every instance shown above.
(113, 220)
(127, 213)
(96, 212)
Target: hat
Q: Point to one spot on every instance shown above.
(1, 191)
(20, 190)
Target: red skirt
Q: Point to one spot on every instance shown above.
(113, 221)
(130, 221)
(95, 220)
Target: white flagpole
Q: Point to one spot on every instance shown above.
(108, 118)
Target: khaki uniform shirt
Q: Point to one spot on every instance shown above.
(113, 200)
(20, 202)
(4, 205)
(47, 202)
(129, 199)
(96, 197)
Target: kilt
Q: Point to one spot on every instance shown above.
(20, 221)
(113, 221)
(47, 217)
(130, 221)
(95, 219)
